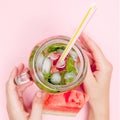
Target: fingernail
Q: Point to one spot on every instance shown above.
(22, 78)
(39, 95)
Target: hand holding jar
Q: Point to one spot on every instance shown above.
(97, 80)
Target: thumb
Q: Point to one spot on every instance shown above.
(36, 112)
(89, 79)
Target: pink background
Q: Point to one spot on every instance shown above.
(23, 23)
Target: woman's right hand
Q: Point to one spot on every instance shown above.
(15, 106)
(97, 82)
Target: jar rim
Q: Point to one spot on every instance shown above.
(81, 73)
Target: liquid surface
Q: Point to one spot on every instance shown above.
(57, 73)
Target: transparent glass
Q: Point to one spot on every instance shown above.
(40, 81)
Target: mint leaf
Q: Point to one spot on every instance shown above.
(62, 73)
(56, 47)
(47, 76)
(69, 80)
(70, 65)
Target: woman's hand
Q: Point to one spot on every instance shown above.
(97, 81)
(15, 107)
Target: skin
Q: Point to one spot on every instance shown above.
(96, 85)
(15, 107)
(97, 82)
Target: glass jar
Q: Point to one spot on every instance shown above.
(41, 51)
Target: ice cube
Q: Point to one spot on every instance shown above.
(69, 75)
(46, 65)
(56, 78)
(40, 60)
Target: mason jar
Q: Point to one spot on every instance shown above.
(55, 78)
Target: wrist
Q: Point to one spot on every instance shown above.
(99, 110)
(99, 115)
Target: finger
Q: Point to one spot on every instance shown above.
(13, 101)
(83, 46)
(89, 79)
(91, 59)
(20, 68)
(85, 49)
(94, 49)
(36, 113)
(21, 88)
(10, 83)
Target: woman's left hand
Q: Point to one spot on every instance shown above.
(15, 106)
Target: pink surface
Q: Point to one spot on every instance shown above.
(24, 23)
